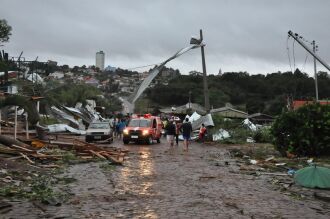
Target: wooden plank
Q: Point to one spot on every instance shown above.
(22, 148)
(97, 154)
(27, 158)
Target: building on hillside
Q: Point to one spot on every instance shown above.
(299, 103)
(228, 112)
(92, 81)
(260, 118)
(99, 60)
(110, 68)
(185, 109)
(195, 73)
(52, 63)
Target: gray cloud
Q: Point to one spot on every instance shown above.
(240, 35)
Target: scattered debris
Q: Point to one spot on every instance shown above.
(291, 172)
(250, 140)
(220, 135)
(42, 153)
(270, 159)
(253, 162)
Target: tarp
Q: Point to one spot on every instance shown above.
(35, 78)
(64, 128)
(206, 120)
(313, 177)
(220, 135)
(195, 116)
(192, 138)
(250, 125)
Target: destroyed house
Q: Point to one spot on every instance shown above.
(260, 118)
(185, 109)
(228, 112)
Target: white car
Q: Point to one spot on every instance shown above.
(99, 131)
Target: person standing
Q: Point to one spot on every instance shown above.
(177, 132)
(186, 132)
(202, 133)
(121, 126)
(114, 127)
(170, 132)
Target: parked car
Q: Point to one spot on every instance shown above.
(143, 129)
(98, 131)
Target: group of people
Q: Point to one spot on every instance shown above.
(118, 125)
(174, 128)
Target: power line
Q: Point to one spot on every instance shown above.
(305, 62)
(144, 66)
(294, 57)
(288, 51)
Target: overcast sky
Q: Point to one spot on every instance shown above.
(240, 35)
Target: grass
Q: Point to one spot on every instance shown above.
(107, 166)
(39, 188)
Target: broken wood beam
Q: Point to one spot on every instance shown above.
(98, 154)
(27, 158)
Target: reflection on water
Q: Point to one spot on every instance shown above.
(136, 177)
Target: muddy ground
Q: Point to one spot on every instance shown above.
(158, 182)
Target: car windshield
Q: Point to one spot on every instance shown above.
(99, 126)
(139, 123)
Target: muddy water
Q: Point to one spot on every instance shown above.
(158, 182)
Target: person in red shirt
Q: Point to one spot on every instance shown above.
(202, 132)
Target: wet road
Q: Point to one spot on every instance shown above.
(159, 182)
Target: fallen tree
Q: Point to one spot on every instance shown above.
(26, 103)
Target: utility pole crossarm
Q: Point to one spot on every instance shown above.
(296, 37)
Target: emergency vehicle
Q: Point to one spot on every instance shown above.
(146, 128)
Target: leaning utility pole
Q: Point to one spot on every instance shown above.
(316, 57)
(315, 72)
(296, 37)
(206, 90)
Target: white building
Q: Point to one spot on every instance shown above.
(99, 61)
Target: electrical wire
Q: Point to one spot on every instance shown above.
(293, 55)
(307, 54)
(144, 66)
(288, 51)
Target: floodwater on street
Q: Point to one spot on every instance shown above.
(158, 182)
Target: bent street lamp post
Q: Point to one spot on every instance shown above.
(206, 90)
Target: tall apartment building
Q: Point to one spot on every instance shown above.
(99, 60)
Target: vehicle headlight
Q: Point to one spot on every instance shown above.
(145, 132)
(125, 131)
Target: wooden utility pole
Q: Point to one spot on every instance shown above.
(315, 72)
(206, 89)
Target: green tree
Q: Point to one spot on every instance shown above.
(5, 31)
(304, 131)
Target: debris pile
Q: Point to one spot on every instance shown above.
(45, 153)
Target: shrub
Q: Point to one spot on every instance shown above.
(263, 136)
(304, 131)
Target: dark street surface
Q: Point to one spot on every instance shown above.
(158, 182)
